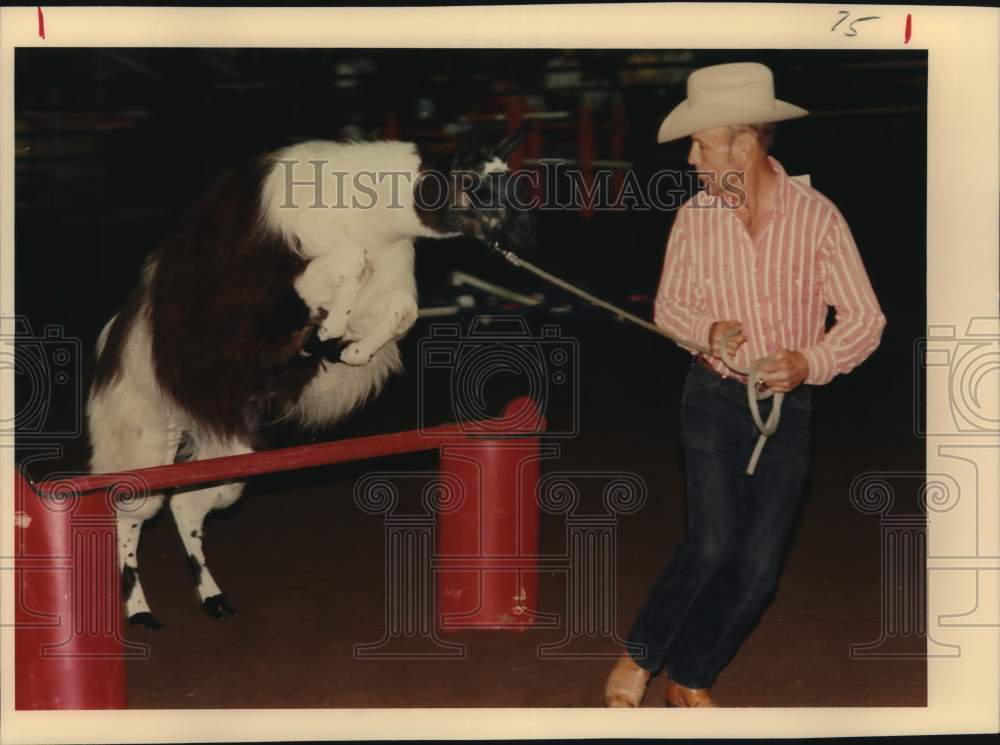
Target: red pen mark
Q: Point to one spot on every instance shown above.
(909, 26)
(41, 22)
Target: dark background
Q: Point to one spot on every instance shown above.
(111, 145)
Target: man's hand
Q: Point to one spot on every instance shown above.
(785, 371)
(720, 329)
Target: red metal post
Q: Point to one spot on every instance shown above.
(69, 648)
(487, 543)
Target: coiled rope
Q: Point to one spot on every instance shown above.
(756, 390)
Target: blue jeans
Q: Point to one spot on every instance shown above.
(723, 576)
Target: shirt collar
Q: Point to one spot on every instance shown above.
(781, 195)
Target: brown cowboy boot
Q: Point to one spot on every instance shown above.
(682, 696)
(626, 685)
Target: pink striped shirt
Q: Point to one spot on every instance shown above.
(778, 287)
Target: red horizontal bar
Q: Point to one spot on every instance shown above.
(499, 563)
(232, 467)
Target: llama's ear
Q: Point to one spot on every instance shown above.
(506, 148)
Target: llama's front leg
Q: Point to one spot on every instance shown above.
(330, 285)
(397, 317)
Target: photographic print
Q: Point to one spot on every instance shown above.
(497, 374)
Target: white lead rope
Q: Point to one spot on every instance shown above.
(754, 376)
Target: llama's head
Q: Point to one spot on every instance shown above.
(482, 193)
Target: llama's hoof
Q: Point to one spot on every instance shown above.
(217, 607)
(145, 619)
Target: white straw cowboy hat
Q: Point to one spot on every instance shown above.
(722, 95)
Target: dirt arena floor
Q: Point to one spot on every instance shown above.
(305, 566)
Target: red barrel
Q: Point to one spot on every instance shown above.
(486, 560)
(69, 648)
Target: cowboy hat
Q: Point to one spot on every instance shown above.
(721, 95)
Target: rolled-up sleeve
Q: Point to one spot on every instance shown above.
(680, 308)
(859, 319)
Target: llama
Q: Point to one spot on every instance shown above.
(279, 294)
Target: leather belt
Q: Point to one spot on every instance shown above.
(708, 366)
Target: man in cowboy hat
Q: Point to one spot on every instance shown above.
(759, 257)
